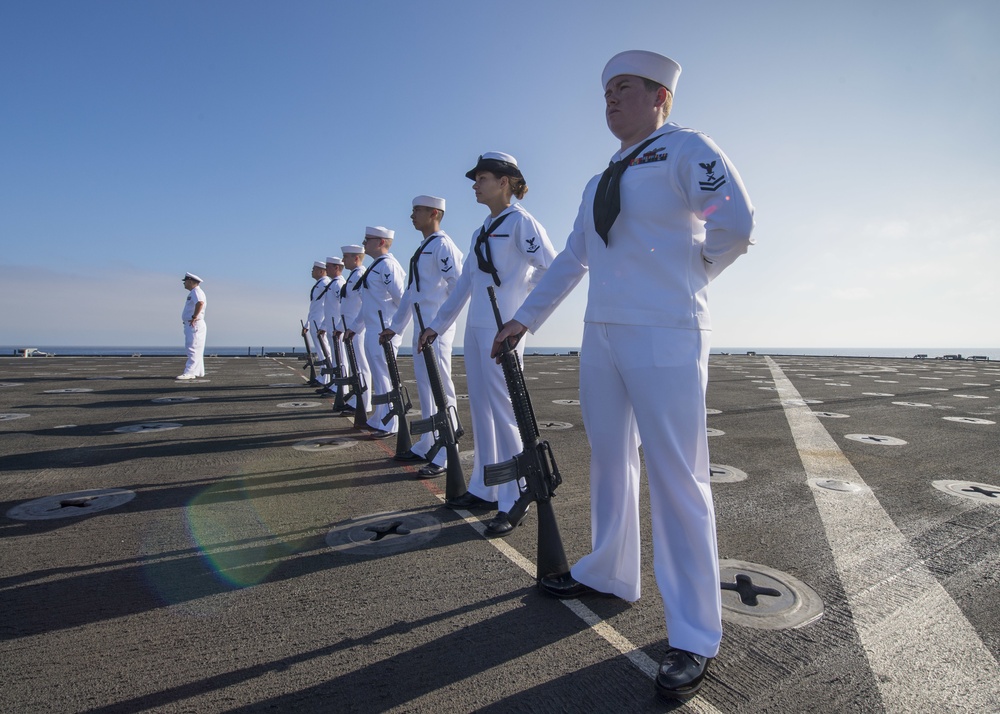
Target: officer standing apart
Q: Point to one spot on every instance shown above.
(317, 308)
(195, 329)
(331, 312)
(433, 274)
(681, 217)
(381, 289)
(510, 251)
(350, 308)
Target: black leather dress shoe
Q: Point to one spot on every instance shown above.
(430, 471)
(408, 456)
(565, 586)
(681, 674)
(470, 500)
(379, 434)
(501, 524)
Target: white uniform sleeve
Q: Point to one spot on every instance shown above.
(563, 274)
(448, 261)
(401, 318)
(358, 324)
(452, 307)
(398, 283)
(715, 194)
(356, 321)
(331, 315)
(534, 244)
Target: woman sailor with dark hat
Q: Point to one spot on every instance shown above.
(510, 252)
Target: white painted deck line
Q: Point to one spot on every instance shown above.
(924, 653)
(642, 661)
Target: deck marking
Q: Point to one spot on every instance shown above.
(911, 629)
(642, 661)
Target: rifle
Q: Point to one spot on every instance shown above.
(448, 432)
(397, 397)
(309, 354)
(355, 383)
(335, 372)
(339, 403)
(535, 464)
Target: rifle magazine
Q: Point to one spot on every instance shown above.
(496, 474)
(422, 426)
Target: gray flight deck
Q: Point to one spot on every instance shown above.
(230, 545)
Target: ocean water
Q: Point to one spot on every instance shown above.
(992, 353)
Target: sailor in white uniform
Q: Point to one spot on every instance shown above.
(511, 251)
(314, 320)
(433, 274)
(195, 329)
(350, 308)
(381, 289)
(332, 313)
(660, 225)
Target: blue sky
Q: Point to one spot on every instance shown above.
(242, 140)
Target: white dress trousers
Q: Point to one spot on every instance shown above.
(656, 377)
(194, 343)
(363, 367)
(319, 356)
(495, 436)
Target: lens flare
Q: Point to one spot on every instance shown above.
(233, 536)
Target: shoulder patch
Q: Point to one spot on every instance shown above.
(711, 182)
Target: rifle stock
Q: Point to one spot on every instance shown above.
(448, 432)
(309, 354)
(397, 397)
(339, 403)
(355, 383)
(535, 464)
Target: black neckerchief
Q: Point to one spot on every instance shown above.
(343, 288)
(325, 290)
(414, 273)
(364, 278)
(484, 256)
(608, 198)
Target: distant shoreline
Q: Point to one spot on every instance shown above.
(991, 353)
